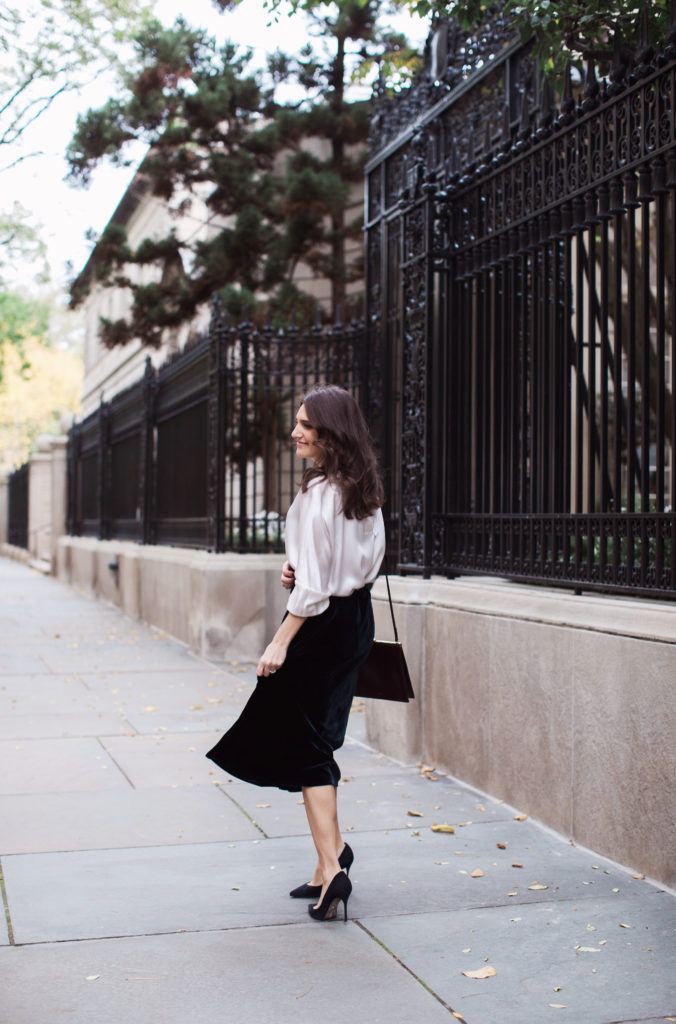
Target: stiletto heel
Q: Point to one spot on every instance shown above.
(338, 889)
(311, 892)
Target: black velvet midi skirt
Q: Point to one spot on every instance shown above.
(296, 718)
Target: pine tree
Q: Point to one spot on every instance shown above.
(216, 131)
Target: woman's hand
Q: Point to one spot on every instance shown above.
(272, 658)
(288, 576)
(274, 655)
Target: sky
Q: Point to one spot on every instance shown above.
(64, 212)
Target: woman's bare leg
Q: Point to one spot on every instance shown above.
(321, 807)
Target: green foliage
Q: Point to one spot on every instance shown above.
(21, 319)
(20, 241)
(564, 28)
(275, 179)
(48, 47)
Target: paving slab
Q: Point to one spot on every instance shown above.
(54, 897)
(28, 693)
(164, 759)
(103, 893)
(62, 724)
(57, 822)
(53, 765)
(18, 661)
(105, 656)
(403, 873)
(374, 801)
(553, 961)
(294, 975)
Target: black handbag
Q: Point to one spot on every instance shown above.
(384, 675)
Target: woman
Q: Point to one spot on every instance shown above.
(297, 715)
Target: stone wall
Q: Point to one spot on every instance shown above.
(47, 481)
(221, 606)
(562, 705)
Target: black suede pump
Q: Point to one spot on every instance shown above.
(338, 891)
(310, 892)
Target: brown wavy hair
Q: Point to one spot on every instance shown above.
(348, 456)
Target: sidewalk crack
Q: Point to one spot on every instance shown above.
(5, 904)
(244, 812)
(454, 1013)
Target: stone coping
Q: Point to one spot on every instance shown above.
(621, 616)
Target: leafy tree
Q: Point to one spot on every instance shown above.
(41, 384)
(20, 240)
(218, 134)
(20, 320)
(49, 47)
(566, 29)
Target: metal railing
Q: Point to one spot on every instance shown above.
(521, 298)
(198, 452)
(17, 499)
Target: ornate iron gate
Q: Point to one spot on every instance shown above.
(520, 301)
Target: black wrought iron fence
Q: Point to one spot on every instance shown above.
(517, 361)
(521, 295)
(17, 500)
(198, 453)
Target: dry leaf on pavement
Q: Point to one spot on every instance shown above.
(442, 828)
(483, 972)
(477, 873)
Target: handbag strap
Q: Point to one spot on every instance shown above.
(389, 598)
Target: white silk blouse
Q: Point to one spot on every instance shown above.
(332, 556)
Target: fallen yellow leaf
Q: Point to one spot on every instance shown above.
(477, 873)
(415, 814)
(443, 828)
(558, 1006)
(538, 885)
(643, 876)
(587, 949)
(624, 925)
(520, 817)
(483, 972)
(262, 805)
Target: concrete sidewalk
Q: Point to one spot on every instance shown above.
(141, 886)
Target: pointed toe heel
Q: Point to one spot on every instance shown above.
(306, 892)
(313, 892)
(338, 891)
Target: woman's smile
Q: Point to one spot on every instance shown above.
(305, 436)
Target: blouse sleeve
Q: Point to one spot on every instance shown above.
(313, 564)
